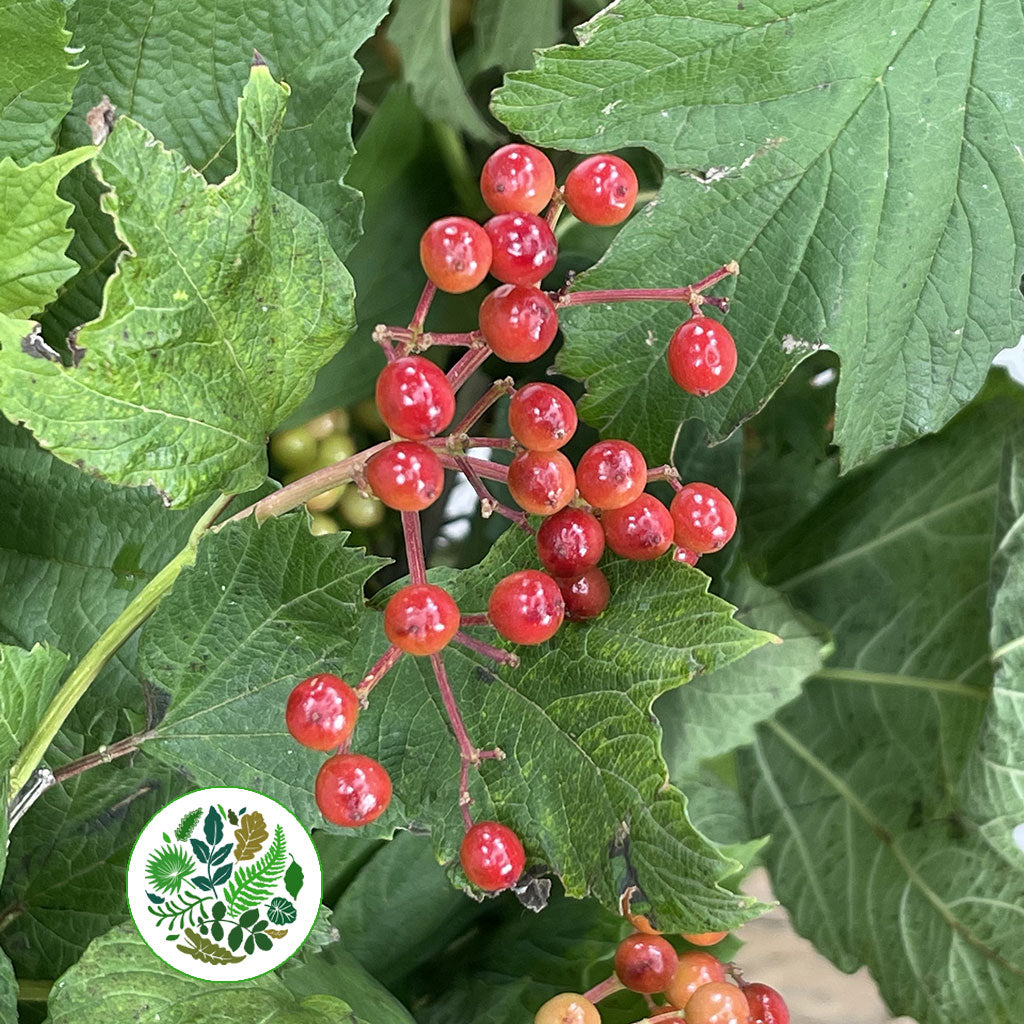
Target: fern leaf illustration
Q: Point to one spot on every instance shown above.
(251, 836)
(254, 883)
(187, 825)
(208, 951)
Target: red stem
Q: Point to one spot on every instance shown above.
(383, 664)
(484, 467)
(505, 386)
(502, 657)
(480, 619)
(604, 988)
(667, 473)
(414, 547)
(689, 294)
(420, 315)
(488, 503)
(467, 366)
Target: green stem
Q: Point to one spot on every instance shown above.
(460, 168)
(75, 686)
(33, 991)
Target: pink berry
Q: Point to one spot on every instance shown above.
(523, 249)
(517, 178)
(601, 190)
(701, 356)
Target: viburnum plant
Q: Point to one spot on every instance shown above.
(594, 368)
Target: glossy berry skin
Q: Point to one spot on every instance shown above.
(696, 968)
(421, 619)
(685, 556)
(704, 518)
(526, 607)
(455, 253)
(352, 789)
(322, 711)
(492, 856)
(611, 474)
(701, 356)
(517, 178)
(523, 249)
(406, 475)
(568, 1008)
(518, 322)
(704, 938)
(645, 963)
(542, 417)
(601, 190)
(585, 596)
(414, 398)
(717, 1003)
(570, 542)
(641, 530)
(766, 1005)
(541, 482)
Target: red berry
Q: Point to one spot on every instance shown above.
(455, 253)
(414, 398)
(717, 1003)
(685, 556)
(352, 789)
(568, 1008)
(766, 1005)
(421, 618)
(704, 938)
(704, 518)
(601, 190)
(492, 856)
(570, 542)
(517, 177)
(406, 475)
(542, 417)
(641, 530)
(695, 969)
(645, 963)
(611, 474)
(321, 712)
(519, 323)
(541, 482)
(526, 607)
(701, 356)
(585, 596)
(523, 249)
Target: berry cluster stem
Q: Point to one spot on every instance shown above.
(414, 547)
(505, 386)
(488, 503)
(467, 366)
(419, 315)
(604, 988)
(691, 294)
(377, 672)
(501, 656)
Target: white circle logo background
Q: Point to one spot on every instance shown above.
(261, 875)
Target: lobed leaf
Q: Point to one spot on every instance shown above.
(211, 330)
(871, 194)
(251, 834)
(207, 951)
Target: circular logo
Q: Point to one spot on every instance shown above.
(224, 884)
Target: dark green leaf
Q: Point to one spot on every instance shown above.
(263, 940)
(217, 931)
(218, 910)
(871, 194)
(249, 918)
(36, 78)
(508, 31)
(8, 992)
(249, 945)
(222, 874)
(240, 347)
(222, 853)
(213, 827)
(28, 682)
(235, 937)
(201, 850)
(883, 850)
(293, 879)
(280, 911)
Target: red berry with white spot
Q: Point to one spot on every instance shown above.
(523, 248)
(541, 482)
(766, 1005)
(518, 322)
(517, 178)
(455, 253)
(704, 518)
(406, 475)
(696, 968)
(645, 963)
(701, 356)
(717, 1003)
(352, 789)
(586, 595)
(322, 711)
(601, 190)
(526, 607)
(570, 542)
(641, 530)
(542, 417)
(611, 474)
(421, 618)
(414, 398)
(492, 856)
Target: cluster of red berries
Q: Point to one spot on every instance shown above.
(695, 985)
(602, 501)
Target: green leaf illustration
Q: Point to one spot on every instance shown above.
(281, 911)
(254, 883)
(251, 834)
(207, 951)
(167, 868)
(213, 827)
(293, 879)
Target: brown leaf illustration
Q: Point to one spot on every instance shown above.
(207, 951)
(251, 835)
(277, 933)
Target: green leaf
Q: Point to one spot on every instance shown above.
(574, 719)
(183, 82)
(281, 911)
(206, 950)
(852, 175)
(28, 682)
(718, 712)
(880, 853)
(254, 882)
(293, 879)
(8, 992)
(120, 978)
(32, 261)
(241, 347)
(213, 827)
(36, 77)
(422, 35)
(508, 31)
(188, 823)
